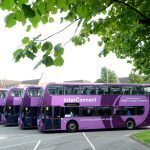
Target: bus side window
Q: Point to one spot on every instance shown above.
(115, 90)
(87, 90)
(76, 89)
(71, 111)
(92, 92)
(116, 110)
(104, 111)
(146, 90)
(88, 111)
(101, 91)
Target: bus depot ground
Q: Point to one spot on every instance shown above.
(12, 138)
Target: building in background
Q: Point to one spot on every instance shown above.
(126, 80)
(79, 81)
(44, 80)
(11, 83)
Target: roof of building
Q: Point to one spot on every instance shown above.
(34, 82)
(10, 83)
(126, 80)
(78, 81)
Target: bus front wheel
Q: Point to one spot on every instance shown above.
(130, 124)
(72, 126)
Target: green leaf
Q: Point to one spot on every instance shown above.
(61, 3)
(50, 5)
(28, 28)
(28, 11)
(47, 46)
(35, 20)
(54, 10)
(20, 2)
(18, 54)
(59, 52)
(44, 19)
(59, 61)
(25, 40)
(41, 8)
(10, 20)
(57, 47)
(51, 20)
(39, 45)
(34, 49)
(100, 43)
(30, 55)
(83, 11)
(129, 61)
(19, 16)
(47, 61)
(7, 4)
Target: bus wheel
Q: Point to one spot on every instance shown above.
(72, 126)
(130, 124)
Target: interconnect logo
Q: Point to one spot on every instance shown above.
(79, 100)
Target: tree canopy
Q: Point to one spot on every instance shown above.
(107, 76)
(135, 78)
(123, 27)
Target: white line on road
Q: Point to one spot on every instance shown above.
(2, 138)
(17, 144)
(20, 137)
(131, 133)
(88, 141)
(38, 143)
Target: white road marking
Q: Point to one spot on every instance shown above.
(2, 138)
(5, 128)
(20, 137)
(35, 141)
(38, 143)
(88, 141)
(17, 144)
(131, 133)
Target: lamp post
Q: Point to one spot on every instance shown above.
(106, 75)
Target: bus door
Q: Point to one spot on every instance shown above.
(16, 113)
(47, 117)
(10, 114)
(34, 116)
(56, 123)
(52, 119)
(1, 113)
(27, 117)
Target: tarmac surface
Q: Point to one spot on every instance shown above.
(12, 138)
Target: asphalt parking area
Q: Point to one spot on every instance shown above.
(12, 138)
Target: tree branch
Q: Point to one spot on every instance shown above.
(77, 27)
(58, 31)
(132, 9)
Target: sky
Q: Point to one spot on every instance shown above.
(80, 63)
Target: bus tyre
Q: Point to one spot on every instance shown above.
(130, 124)
(72, 126)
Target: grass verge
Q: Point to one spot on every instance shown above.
(144, 136)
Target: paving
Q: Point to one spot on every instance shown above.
(12, 138)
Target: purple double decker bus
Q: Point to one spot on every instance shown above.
(3, 93)
(74, 106)
(12, 106)
(30, 107)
